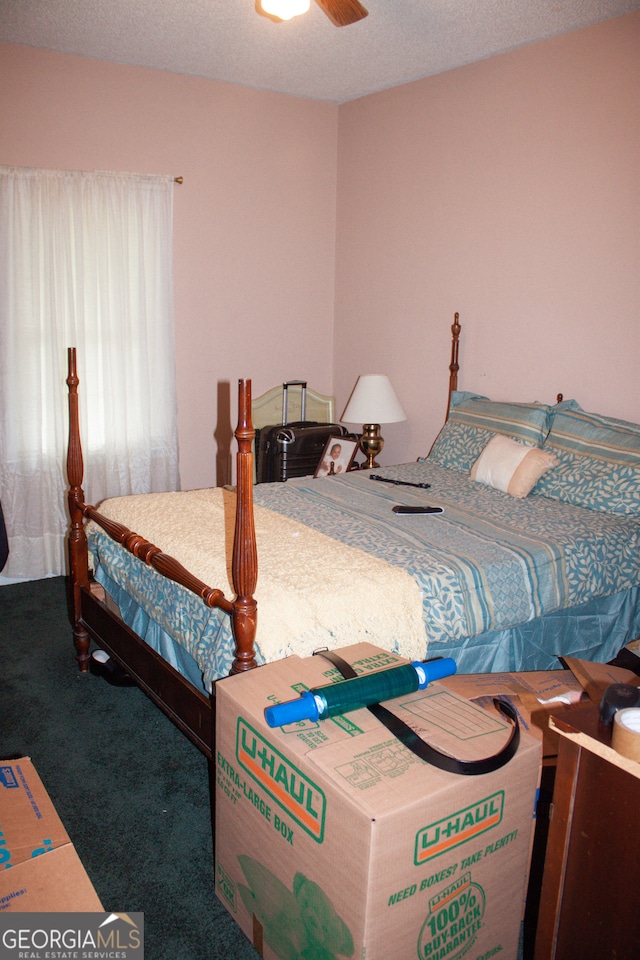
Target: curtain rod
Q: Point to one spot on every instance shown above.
(178, 179)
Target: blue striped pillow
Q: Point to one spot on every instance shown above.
(598, 462)
(474, 420)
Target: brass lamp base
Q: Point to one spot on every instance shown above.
(371, 444)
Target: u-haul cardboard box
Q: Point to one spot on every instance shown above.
(39, 867)
(333, 840)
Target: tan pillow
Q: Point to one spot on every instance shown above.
(511, 466)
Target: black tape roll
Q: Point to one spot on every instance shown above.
(616, 697)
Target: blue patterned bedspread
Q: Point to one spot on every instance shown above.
(488, 563)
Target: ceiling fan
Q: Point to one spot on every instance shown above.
(340, 12)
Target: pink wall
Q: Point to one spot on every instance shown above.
(508, 190)
(254, 218)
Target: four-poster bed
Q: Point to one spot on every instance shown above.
(500, 580)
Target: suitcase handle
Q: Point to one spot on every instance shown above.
(285, 388)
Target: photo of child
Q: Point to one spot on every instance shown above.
(337, 457)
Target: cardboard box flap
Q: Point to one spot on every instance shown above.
(29, 821)
(58, 882)
(533, 695)
(596, 677)
(544, 685)
(39, 867)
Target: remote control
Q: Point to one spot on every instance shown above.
(406, 511)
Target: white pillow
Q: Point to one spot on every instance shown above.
(511, 466)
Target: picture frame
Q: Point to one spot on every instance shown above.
(337, 456)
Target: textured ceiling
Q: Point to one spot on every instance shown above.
(400, 40)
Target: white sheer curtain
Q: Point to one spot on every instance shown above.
(85, 261)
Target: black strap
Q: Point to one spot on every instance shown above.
(415, 743)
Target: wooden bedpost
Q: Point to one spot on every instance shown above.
(453, 366)
(244, 563)
(77, 542)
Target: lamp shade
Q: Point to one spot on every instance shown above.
(373, 400)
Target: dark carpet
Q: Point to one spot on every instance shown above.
(132, 792)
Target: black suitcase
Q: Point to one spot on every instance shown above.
(289, 450)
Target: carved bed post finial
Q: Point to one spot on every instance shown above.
(453, 366)
(77, 541)
(244, 563)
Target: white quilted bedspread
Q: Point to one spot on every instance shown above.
(312, 590)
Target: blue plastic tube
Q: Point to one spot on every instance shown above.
(337, 698)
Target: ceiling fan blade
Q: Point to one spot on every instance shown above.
(343, 12)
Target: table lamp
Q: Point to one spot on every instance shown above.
(372, 402)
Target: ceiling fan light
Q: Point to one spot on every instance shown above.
(285, 9)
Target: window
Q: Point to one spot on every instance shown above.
(86, 261)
